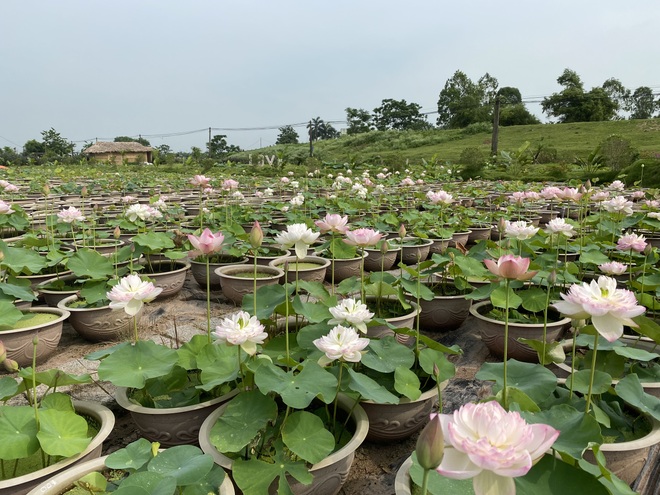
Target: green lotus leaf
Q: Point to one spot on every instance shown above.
(132, 365)
(305, 435)
(62, 433)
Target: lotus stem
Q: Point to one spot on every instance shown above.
(505, 401)
(591, 376)
(208, 298)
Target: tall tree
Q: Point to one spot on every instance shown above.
(512, 110)
(359, 120)
(574, 104)
(642, 103)
(55, 146)
(463, 102)
(218, 147)
(287, 135)
(399, 115)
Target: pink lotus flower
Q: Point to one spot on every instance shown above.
(407, 182)
(298, 236)
(600, 196)
(353, 312)
(510, 267)
(243, 330)
(5, 208)
(333, 222)
(207, 243)
(200, 181)
(70, 215)
(550, 192)
(436, 197)
(230, 184)
(619, 204)
(363, 237)
(341, 343)
(570, 193)
(131, 293)
(613, 268)
(492, 446)
(609, 307)
(631, 241)
(560, 226)
(519, 230)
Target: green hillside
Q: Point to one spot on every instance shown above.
(564, 141)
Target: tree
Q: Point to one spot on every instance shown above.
(463, 102)
(34, 148)
(127, 139)
(617, 92)
(573, 104)
(399, 115)
(287, 135)
(55, 146)
(327, 131)
(359, 120)
(642, 104)
(512, 110)
(218, 147)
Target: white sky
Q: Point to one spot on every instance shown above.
(100, 69)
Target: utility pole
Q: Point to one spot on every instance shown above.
(209, 143)
(496, 127)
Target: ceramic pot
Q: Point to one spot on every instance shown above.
(18, 342)
(459, 238)
(52, 296)
(479, 233)
(329, 474)
(168, 275)
(35, 280)
(314, 273)
(264, 260)
(402, 480)
(198, 270)
(443, 313)
(345, 268)
(414, 250)
(439, 246)
(101, 416)
(98, 324)
(173, 425)
(235, 286)
(492, 333)
(376, 260)
(394, 422)
(404, 321)
(101, 246)
(63, 481)
(626, 459)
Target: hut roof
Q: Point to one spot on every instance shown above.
(123, 147)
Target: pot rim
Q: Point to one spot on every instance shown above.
(90, 408)
(62, 312)
(121, 396)
(228, 270)
(361, 430)
(322, 262)
(474, 311)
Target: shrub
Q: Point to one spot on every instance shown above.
(617, 152)
(650, 177)
(477, 128)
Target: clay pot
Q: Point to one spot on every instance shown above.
(98, 324)
(173, 425)
(105, 421)
(234, 287)
(443, 313)
(310, 274)
(198, 270)
(492, 333)
(345, 268)
(18, 342)
(376, 260)
(168, 275)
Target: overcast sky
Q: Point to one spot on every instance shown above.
(100, 69)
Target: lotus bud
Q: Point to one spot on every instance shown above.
(436, 371)
(402, 231)
(3, 352)
(648, 249)
(83, 192)
(384, 246)
(117, 232)
(10, 365)
(430, 448)
(587, 185)
(552, 277)
(501, 225)
(46, 190)
(256, 235)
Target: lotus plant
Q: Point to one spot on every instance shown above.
(206, 244)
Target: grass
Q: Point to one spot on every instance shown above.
(570, 140)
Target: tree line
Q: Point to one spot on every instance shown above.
(463, 102)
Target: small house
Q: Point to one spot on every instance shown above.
(117, 153)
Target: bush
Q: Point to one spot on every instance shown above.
(477, 128)
(650, 177)
(617, 152)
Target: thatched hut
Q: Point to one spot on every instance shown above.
(130, 152)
